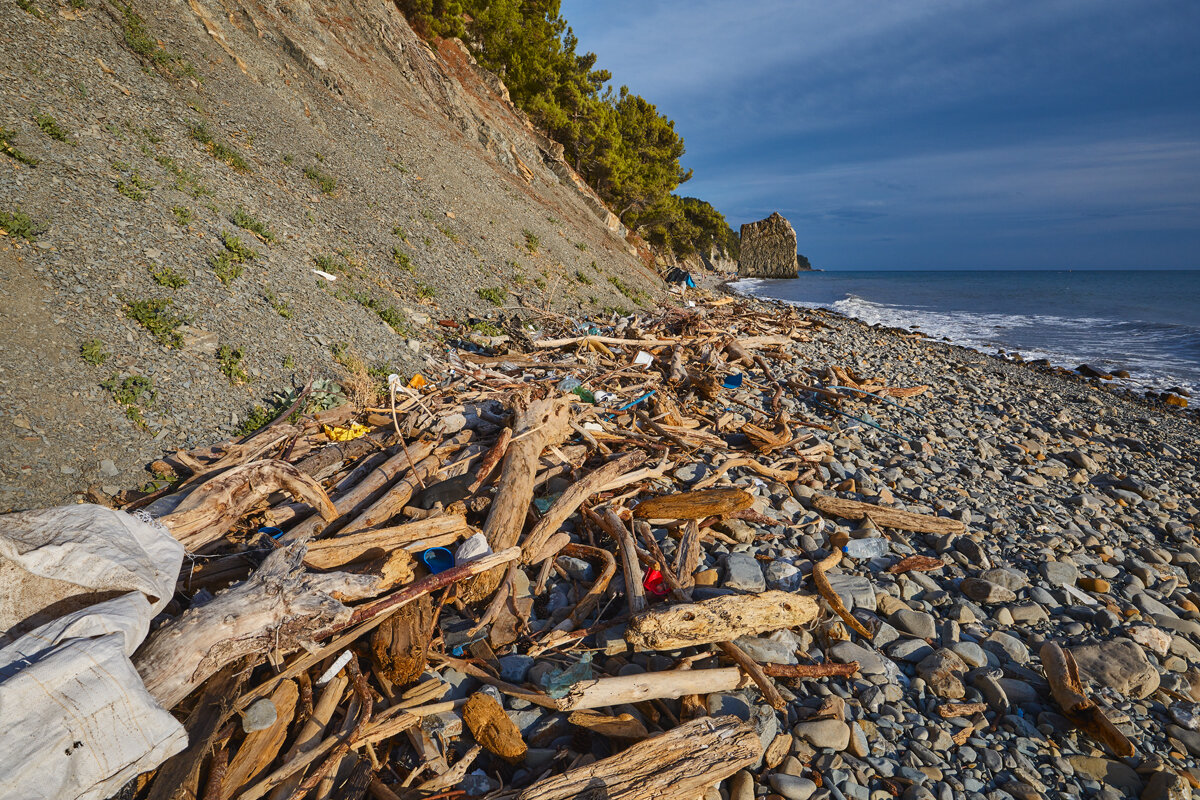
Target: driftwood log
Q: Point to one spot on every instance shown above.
(396, 498)
(271, 611)
(886, 517)
(635, 592)
(360, 496)
(678, 765)
(209, 512)
(573, 498)
(260, 747)
(544, 423)
(719, 619)
(179, 776)
(669, 685)
(348, 452)
(348, 548)
(694, 505)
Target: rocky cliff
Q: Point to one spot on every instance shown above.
(768, 249)
(209, 202)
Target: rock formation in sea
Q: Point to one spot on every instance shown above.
(768, 249)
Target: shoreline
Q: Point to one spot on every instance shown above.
(1149, 398)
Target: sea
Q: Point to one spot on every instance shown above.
(1146, 322)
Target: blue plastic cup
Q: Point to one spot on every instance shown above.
(438, 559)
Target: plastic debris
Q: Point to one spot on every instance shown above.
(654, 583)
(872, 547)
(438, 559)
(559, 682)
(733, 381)
(542, 504)
(335, 668)
(472, 548)
(81, 723)
(347, 434)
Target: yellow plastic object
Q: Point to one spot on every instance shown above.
(345, 434)
(418, 382)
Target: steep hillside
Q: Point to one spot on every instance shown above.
(196, 162)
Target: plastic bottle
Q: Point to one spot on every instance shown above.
(873, 547)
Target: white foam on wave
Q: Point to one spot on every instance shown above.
(990, 333)
(750, 286)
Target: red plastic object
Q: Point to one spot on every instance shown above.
(655, 584)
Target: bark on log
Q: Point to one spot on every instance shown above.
(694, 505)
(570, 501)
(678, 765)
(544, 423)
(493, 729)
(215, 506)
(765, 441)
(720, 619)
(360, 495)
(886, 517)
(259, 748)
(825, 670)
(400, 646)
(396, 498)
(350, 451)
(348, 548)
(178, 777)
(669, 685)
(278, 606)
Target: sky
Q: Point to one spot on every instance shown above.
(930, 134)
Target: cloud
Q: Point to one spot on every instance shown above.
(1055, 123)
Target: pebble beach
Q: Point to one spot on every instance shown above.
(1080, 507)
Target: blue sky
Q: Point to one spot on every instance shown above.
(929, 133)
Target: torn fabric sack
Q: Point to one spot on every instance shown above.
(79, 586)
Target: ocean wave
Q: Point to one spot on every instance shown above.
(1158, 354)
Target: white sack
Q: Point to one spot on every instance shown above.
(79, 586)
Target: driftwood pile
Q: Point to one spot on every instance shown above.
(307, 637)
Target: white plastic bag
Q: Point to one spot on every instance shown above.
(79, 586)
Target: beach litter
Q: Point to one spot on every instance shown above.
(492, 585)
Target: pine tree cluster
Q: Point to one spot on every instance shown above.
(617, 140)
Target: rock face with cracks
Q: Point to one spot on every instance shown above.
(768, 249)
